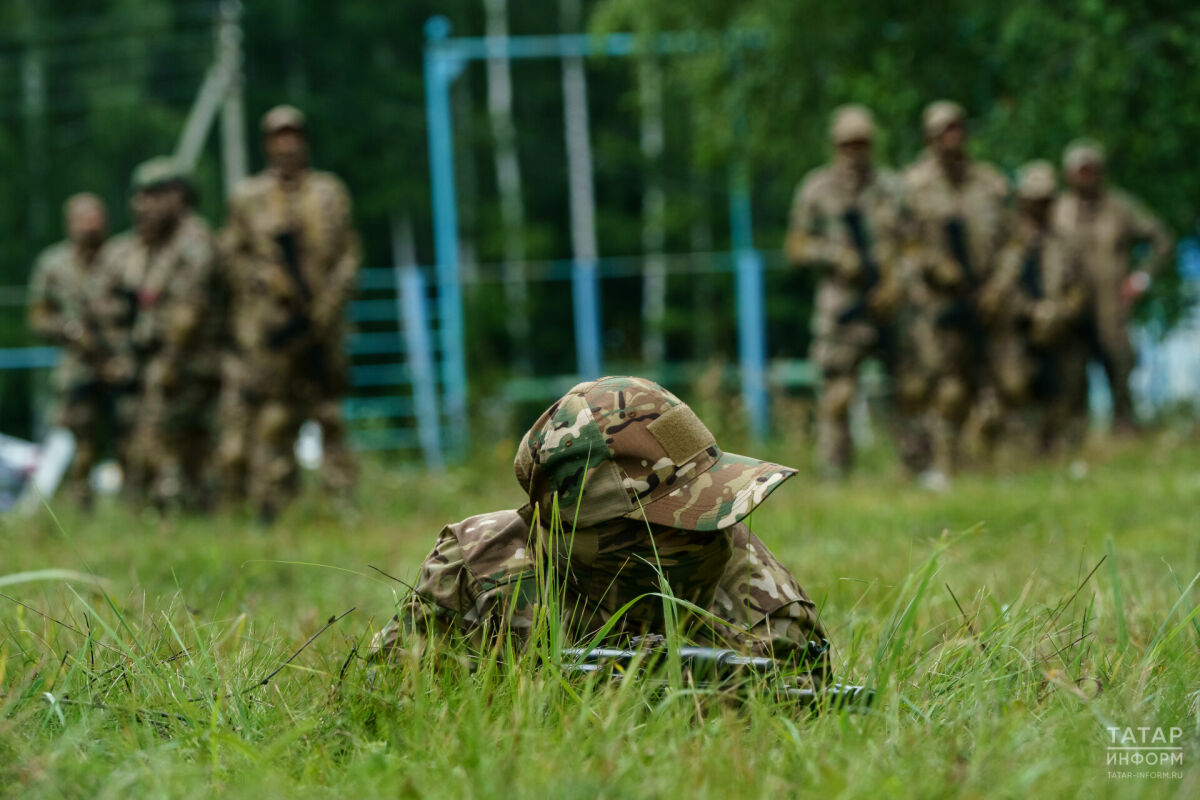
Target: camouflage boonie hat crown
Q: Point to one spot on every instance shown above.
(1036, 181)
(851, 123)
(939, 115)
(284, 118)
(1081, 153)
(624, 447)
(156, 173)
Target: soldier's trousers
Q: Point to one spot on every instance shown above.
(80, 411)
(173, 440)
(289, 389)
(1065, 421)
(1111, 346)
(236, 408)
(949, 366)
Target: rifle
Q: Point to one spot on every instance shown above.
(853, 220)
(717, 668)
(960, 314)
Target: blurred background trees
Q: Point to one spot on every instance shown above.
(88, 88)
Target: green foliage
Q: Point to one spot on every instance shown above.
(1001, 652)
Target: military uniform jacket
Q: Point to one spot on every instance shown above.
(178, 317)
(307, 223)
(60, 313)
(821, 232)
(481, 581)
(1103, 231)
(978, 203)
(1037, 287)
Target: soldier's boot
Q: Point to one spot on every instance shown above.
(1117, 358)
(338, 468)
(835, 447)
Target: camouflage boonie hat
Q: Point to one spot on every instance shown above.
(1036, 180)
(851, 123)
(941, 114)
(1082, 153)
(624, 447)
(157, 173)
(284, 118)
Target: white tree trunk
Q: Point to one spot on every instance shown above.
(654, 290)
(508, 181)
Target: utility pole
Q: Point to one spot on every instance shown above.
(654, 276)
(508, 182)
(585, 282)
(234, 157)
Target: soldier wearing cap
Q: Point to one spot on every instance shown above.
(960, 223)
(846, 223)
(621, 481)
(60, 313)
(1104, 224)
(163, 305)
(1030, 309)
(292, 260)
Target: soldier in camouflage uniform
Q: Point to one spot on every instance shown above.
(959, 225)
(846, 223)
(1030, 309)
(292, 261)
(169, 269)
(59, 312)
(1104, 224)
(620, 477)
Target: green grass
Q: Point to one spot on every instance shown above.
(999, 661)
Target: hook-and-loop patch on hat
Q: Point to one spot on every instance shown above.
(626, 447)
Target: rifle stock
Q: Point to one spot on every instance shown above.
(853, 220)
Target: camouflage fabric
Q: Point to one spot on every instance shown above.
(1030, 309)
(486, 576)
(625, 447)
(837, 210)
(958, 215)
(1103, 229)
(292, 260)
(604, 449)
(60, 313)
(114, 304)
(177, 334)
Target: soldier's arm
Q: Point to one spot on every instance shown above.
(45, 314)
(339, 283)
(809, 243)
(192, 294)
(767, 611)
(1146, 227)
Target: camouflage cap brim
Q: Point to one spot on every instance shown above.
(718, 497)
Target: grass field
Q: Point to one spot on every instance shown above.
(1000, 663)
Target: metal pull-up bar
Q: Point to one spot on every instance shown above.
(445, 58)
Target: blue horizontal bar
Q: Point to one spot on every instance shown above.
(364, 375)
(479, 48)
(373, 311)
(374, 344)
(28, 357)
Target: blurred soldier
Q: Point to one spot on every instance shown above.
(1030, 308)
(171, 267)
(293, 261)
(845, 223)
(1104, 224)
(59, 313)
(959, 225)
(646, 495)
